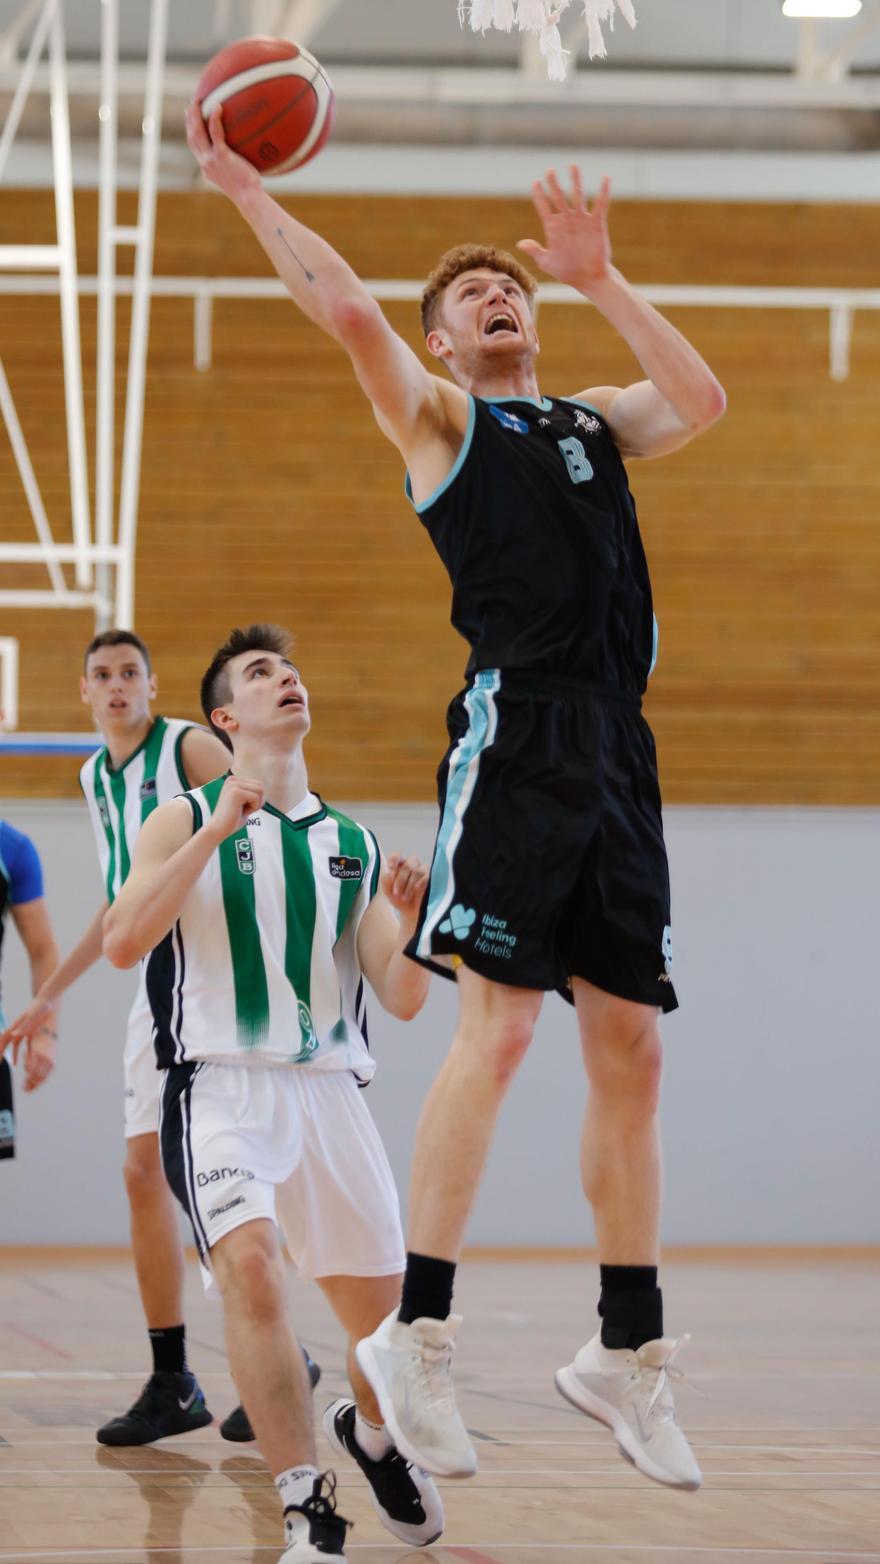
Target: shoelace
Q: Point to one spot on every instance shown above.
(148, 1402)
(321, 1506)
(665, 1373)
(435, 1373)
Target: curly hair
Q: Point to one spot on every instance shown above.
(468, 258)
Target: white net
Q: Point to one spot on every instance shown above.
(542, 17)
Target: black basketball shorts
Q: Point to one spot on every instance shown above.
(549, 862)
(7, 1110)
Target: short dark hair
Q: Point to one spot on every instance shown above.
(216, 689)
(118, 638)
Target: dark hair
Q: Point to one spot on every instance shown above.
(118, 638)
(469, 258)
(216, 689)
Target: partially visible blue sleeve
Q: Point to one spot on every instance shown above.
(21, 863)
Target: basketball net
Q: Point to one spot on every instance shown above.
(542, 17)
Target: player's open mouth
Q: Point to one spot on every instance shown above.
(119, 705)
(500, 322)
(291, 700)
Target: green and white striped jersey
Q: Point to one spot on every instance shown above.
(262, 964)
(120, 800)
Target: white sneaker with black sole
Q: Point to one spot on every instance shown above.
(404, 1497)
(630, 1393)
(315, 1532)
(410, 1370)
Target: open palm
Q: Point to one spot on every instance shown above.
(576, 248)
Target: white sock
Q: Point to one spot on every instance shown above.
(373, 1438)
(295, 1485)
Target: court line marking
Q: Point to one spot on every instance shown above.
(829, 1555)
(162, 1474)
(471, 1556)
(46, 1346)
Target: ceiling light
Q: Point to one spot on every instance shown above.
(836, 8)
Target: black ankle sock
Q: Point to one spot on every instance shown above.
(630, 1306)
(169, 1350)
(427, 1289)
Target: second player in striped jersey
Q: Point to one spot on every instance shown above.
(263, 911)
(144, 761)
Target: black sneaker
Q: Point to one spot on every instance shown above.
(315, 1532)
(405, 1498)
(168, 1404)
(237, 1426)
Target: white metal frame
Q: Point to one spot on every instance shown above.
(104, 568)
(840, 303)
(61, 259)
(8, 683)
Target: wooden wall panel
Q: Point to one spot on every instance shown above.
(268, 493)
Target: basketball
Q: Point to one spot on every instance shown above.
(277, 102)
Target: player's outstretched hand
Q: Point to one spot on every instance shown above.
(577, 247)
(39, 1058)
(232, 174)
(238, 799)
(26, 1026)
(34, 1032)
(403, 882)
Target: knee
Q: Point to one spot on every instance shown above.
(628, 1062)
(249, 1274)
(142, 1169)
(497, 1053)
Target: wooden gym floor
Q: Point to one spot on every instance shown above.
(786, 1423)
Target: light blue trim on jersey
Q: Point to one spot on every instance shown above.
(543, 402)
(464, 766)
(655, 646)
(454, 470)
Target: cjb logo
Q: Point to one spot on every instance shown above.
(244, 852)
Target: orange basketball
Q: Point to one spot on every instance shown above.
(277, 102)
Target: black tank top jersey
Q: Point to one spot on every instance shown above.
(538, 532)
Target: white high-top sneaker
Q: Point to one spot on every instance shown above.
(410, 1370)
(631, 1394)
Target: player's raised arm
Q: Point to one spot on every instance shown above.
(326, 289)
(168, 860)
(681, 396)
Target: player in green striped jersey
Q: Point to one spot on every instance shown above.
(263, 910)
(144, 762)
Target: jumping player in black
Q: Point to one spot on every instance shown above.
(549, 869)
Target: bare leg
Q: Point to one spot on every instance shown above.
(264, 1355)
(155, 1233)
(457, 1122)
(620, 1153)
(360, 1304)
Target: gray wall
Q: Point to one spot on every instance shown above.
(772, 1074)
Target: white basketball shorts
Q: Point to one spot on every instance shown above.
(143, 1081)
(296, 1146)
